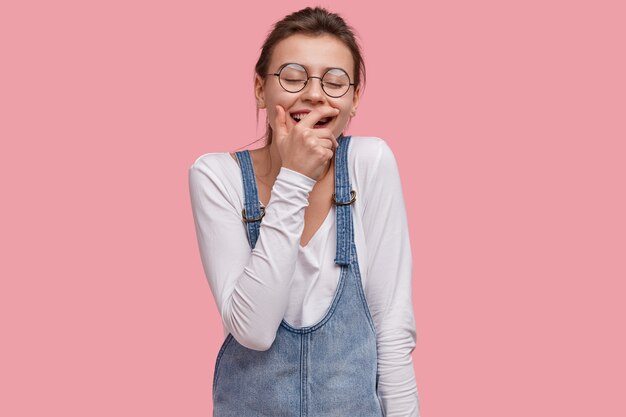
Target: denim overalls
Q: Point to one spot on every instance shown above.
(327, 369)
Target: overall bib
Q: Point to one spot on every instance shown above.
(327, 369)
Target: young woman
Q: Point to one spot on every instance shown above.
(305, 243)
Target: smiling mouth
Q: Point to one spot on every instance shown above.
(297, 117)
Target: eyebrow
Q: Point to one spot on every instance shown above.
(306, 68)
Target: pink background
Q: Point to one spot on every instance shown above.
(508, 123)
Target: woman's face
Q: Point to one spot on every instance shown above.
(316, 54)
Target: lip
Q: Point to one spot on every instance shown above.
(305, 112)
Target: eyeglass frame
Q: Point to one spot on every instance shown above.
(282, 67)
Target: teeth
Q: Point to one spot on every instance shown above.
(300, 116)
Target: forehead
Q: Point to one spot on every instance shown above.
(316, 53)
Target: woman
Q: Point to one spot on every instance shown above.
(310, 327)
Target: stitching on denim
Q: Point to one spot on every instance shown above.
(251, 196)
(360, 291)
(227, 341)
(342, 193)
(333, 306)
(304, 374)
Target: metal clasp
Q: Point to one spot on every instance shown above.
(346, 203)
(246, 220)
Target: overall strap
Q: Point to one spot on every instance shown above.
(252, 212)
(343, 198)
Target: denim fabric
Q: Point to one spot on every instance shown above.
(328, 369)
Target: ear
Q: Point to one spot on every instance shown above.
(259, 91)
(355, 101)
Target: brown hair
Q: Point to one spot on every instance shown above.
(311, 21)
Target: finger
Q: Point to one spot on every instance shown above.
(318, 114)
(327, 134)
(280, 122)
(326, 143)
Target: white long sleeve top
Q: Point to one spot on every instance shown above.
(255, 290)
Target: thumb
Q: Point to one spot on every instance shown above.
(280, 122)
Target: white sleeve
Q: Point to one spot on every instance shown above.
(388, 288)
(251, 288)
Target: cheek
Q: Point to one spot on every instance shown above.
(345, 106)
(344, 115)
(271, 115)
(270, 109)
(342, 122)
(271, 112)
(286, 101)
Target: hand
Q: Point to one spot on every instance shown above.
(303, 148)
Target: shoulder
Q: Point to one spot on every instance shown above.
(213, 162)
(369, 148)
(215, 166)
(369, 154)
(217, 171)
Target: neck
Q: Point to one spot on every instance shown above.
(270, 163)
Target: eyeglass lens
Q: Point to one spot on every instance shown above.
(293, 78)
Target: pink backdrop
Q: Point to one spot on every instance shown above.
(508, 123)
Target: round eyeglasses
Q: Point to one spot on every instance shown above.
(294, 77)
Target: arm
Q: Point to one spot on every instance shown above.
(388, 288)
(251, 288)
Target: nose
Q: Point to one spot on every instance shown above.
(313, 90)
